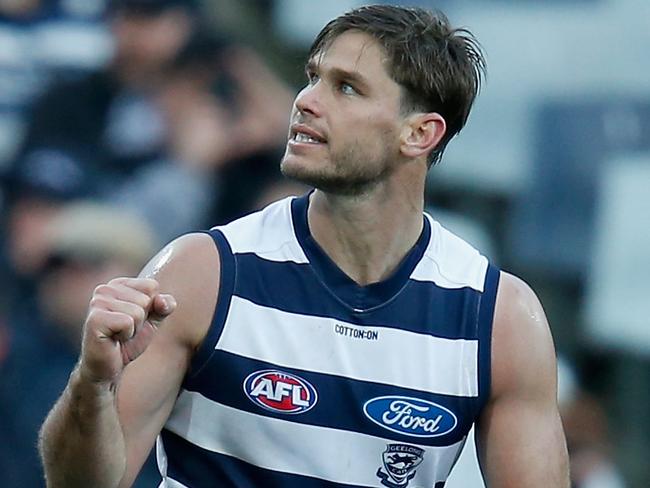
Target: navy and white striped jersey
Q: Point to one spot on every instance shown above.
(307, 379)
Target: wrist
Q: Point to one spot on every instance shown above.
(83, 378)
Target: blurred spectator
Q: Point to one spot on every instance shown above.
(42, 182)
(590, 450)
(176, 112)
(42, 39)
(109, 121)
(39, 184)
(86, 244)
(586, 429)
(260, 132)
(226, 113)
(109, 116)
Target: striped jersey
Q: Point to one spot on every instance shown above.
(308, 380)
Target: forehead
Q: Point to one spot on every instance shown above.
(354, 51)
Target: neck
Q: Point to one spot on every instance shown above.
(368, 235)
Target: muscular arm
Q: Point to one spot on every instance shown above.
(520, 438)
(101, 429)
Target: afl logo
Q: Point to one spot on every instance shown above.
(280, 392)
(410, 416)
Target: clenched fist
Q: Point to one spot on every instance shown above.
(122, 320)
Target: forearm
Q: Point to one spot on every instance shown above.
(81, 441)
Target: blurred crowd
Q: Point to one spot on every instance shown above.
(151, 124)
(126, 123)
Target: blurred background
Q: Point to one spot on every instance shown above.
(126, 123)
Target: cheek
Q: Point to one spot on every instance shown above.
(370, 130)
(379, 122)
(377, 136)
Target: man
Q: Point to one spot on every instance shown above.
(338, 339)
(111, 115)
(113, 121)
(42, 40)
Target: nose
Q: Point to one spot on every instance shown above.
(308, 100)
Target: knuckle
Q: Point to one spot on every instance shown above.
(150, 283)
(139, 298)
(100, 289)
(127, 321)
(149, 291)
(97, 301)
(139, 315)
(95, 318)
(135, 303)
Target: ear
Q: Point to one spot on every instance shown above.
(421, 134)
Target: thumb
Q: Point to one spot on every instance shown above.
(162, 306)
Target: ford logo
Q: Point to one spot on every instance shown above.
(410, 416)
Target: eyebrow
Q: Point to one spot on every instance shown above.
(352, 76)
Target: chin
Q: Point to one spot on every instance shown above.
(328, 183)
(328, 177)
(300, 168)
(296, 170)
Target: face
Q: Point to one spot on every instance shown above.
(345, 124)
(148, 41)
(27, 240)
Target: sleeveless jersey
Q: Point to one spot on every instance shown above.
(308, 380)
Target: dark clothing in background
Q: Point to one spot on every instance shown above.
(113, 132)
(32, 376)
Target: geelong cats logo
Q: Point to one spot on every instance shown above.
(400, 462)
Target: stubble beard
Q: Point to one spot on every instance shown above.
(349, 172)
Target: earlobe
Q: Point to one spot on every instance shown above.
(422, 134)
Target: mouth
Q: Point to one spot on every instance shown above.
(301, 134)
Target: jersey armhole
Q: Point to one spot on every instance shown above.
(226, 287)
(486, 320)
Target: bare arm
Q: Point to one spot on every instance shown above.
(131, 367)
(520, 438)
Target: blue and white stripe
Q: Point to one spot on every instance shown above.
(423, 334)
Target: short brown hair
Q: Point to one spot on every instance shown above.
(439, 68)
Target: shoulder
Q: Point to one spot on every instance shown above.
(189, 269)
(523, 354)
(520, 439)
(516, 299)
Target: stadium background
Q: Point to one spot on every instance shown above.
(550, 178)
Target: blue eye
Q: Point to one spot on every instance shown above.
(347, 89)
